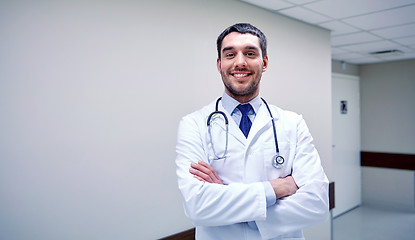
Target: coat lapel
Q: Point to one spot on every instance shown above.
(262, 119)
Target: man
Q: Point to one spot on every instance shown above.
(233, 187)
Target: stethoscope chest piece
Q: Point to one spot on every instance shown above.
(278, 161)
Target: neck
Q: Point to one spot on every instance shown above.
(243, 98)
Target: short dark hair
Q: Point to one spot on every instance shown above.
(243, 28)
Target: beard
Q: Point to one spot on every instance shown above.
(251, 89)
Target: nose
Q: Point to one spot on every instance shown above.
(240, 60)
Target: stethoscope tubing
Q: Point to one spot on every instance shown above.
(227, 130)
(277, 149)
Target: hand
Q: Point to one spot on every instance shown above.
(204, 172)
(284, 187)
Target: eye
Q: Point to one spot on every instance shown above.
(229, 55)
(251, 54)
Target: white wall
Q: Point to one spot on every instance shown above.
(388, 113)
(90, 98)
(391, 188)
(344, 68)
(388, 117)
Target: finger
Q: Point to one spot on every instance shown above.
(218, 179)
(204, 167)
(198, 173)
(194, 169)
(199, 167)
(199, 178)
(214, 174)
(210, 171)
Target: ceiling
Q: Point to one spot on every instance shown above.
(362, 31)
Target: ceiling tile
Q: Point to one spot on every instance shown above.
(384, 19)
(373, 47)
(347, 56)
(409, 55)
(340, 9)
(364, 60)
(300, 2)
(397, 31)
(338, 28)
(270, 4)
(353, 39)
(357, 27)
(335, 50)
(410, 41)
(304, 15)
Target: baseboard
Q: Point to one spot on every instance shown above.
(185, 235)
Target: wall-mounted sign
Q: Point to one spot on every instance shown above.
(343, 107)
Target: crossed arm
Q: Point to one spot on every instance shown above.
(217, 204)
(283, 187)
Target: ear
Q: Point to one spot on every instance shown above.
(265, 64)
(218, 64)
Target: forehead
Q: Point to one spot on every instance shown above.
(236, 40)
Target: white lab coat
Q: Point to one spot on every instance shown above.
(222, 211)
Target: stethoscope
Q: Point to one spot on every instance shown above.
(277, 160)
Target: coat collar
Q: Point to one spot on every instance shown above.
(230, 103)
(261, 120)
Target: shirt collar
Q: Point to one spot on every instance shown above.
(229, 103)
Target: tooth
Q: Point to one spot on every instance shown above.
(240, 75)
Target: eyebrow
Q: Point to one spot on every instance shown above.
(247, 47)
(227, 49)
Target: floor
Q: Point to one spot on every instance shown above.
(367, 223)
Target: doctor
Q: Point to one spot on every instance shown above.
(231, 186)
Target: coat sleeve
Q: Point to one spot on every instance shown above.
(209, 204)
(309, 205)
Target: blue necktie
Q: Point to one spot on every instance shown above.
(245, 123)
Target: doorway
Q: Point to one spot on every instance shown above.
(346, 142)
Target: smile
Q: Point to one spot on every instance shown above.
(240, 75)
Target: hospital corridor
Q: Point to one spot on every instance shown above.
(112, 112)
